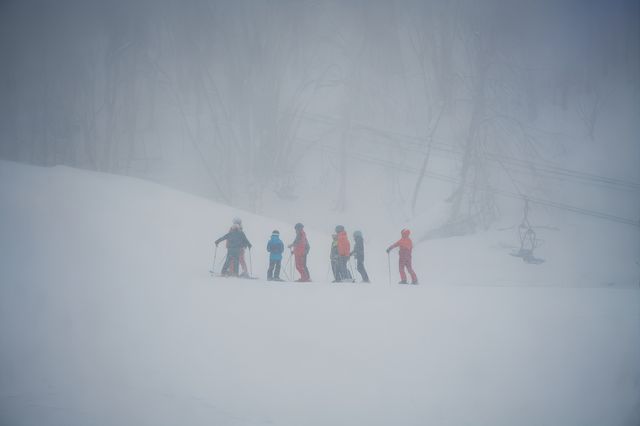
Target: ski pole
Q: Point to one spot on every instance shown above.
(286, 265)
(292, 276)
(389, 263)
(222, 262)
(215, 254)
(250, 263)
(353, 275)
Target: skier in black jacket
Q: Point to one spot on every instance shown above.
(358, 251)
(236, 241)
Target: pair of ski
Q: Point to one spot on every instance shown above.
(243, 277)
(280, 280)
(246, 277)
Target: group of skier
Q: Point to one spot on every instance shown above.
(339, 256)
(299, 248)
(341, 253)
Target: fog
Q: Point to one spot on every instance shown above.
(257, 104)
(503, 134)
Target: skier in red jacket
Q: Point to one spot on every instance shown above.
(406, 247)
(300, 249)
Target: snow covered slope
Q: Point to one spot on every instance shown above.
(108, 316)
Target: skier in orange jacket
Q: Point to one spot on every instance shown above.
(344, 251)
(406, 247)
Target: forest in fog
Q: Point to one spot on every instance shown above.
(188, 189)
(247, 102)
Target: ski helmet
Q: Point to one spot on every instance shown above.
(276, 232)
(339, 228)
(357, 234)
(299, 226)
(237, 221)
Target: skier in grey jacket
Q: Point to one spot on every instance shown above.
(358, 252)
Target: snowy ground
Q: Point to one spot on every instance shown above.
(108, 316)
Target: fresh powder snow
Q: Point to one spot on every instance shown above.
(108, 315)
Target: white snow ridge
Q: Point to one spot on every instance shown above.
(108, 316)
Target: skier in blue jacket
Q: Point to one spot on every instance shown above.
(275, 247)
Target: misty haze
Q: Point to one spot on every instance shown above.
(308, 212)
